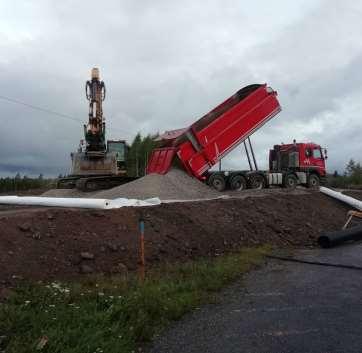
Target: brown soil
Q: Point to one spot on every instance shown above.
(47, 244)
(29, 192)
(357, 194)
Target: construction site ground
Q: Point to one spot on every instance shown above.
(53, 243)
(357, 194)
(283, 307)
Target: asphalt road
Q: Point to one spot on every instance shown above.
(280, 308)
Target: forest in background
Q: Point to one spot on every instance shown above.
(352, 176)
(138, 153)
(23, 183)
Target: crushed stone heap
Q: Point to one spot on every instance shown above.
(175, 185)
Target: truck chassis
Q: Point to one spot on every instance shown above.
(246, 179)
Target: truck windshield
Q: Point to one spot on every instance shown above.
(317, 153)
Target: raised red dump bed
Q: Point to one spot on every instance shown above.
(210, 138)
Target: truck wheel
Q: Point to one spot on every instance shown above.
(313, 181)
(290, 181)
(257, 182)
(238, 182)
(218, 182)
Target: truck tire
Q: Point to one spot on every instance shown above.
(313, 181)
(257, 181)
(290, 181)
(238, 182)
(218, 182)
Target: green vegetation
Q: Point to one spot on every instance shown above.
(138, 154)
(352, 176)
(19, 183)
(113, 314)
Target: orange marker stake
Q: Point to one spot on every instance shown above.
(142, 248)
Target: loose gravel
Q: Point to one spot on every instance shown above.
(67, 193)
(175, 185)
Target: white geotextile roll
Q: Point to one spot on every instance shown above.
(344, 198)
(76, 202)
(121, 202)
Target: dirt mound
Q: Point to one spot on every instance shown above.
(175, 185)
(60, 243)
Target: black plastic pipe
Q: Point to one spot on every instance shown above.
(331, 239)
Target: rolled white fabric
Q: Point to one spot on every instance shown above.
(76, 202)
(122, 202)
(344, 198)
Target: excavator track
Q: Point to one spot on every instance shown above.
(101, 182)
(93, 183)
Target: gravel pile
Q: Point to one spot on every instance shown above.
(175, 185)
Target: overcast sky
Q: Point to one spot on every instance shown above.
(166, 63)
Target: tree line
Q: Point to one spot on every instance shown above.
(352, 176)
(138, 154)
(21, 183)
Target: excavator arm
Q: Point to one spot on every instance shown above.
(94, 131)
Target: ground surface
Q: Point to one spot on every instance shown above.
(49, 243)
(281, 308)
(357, 194)
(29, 192)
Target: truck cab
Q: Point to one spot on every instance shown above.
(304, 162)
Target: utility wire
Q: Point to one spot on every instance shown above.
(44, 110)
(39, 108)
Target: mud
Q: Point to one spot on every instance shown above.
(47, 244)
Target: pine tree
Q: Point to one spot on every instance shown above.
(138, 154)
(133, 157)
(350, 167)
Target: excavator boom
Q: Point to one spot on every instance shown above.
(95, 130)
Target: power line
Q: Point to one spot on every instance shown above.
(39, 108)
(44, 110)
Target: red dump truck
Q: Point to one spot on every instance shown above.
(203, 144)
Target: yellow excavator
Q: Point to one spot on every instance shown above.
(98, 164)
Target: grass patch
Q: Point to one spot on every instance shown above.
(113, 314)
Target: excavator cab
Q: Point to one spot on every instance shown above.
(120, 149)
